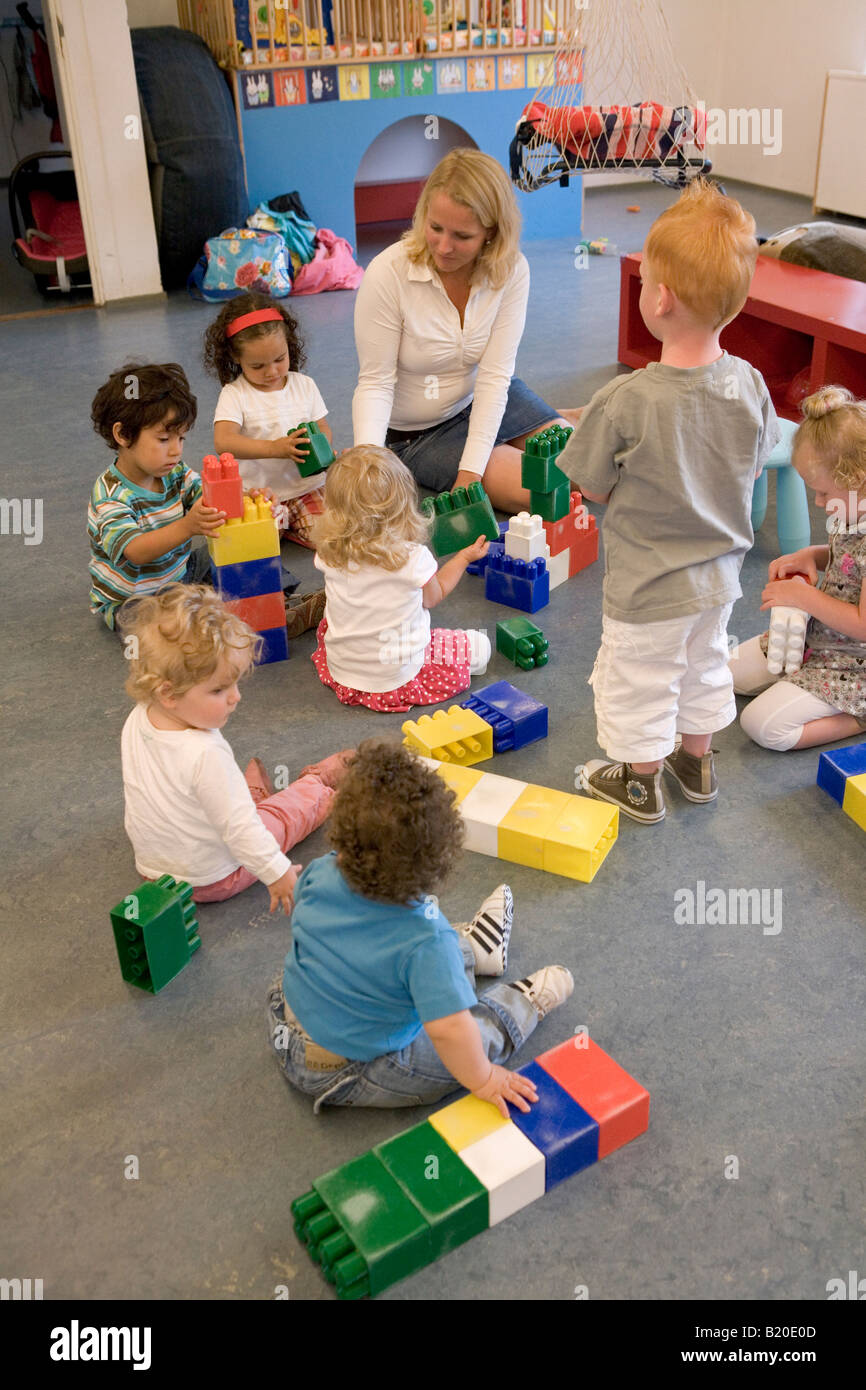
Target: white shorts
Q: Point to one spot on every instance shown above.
(655, 680)
(776, 718)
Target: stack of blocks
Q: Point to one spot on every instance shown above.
(571, 533)
(555, 831)
(842, 773)
(155, 932)
(413, 1198)
(459, 518)
(245, 556)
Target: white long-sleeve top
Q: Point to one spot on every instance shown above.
(189, 812)
(418, 367)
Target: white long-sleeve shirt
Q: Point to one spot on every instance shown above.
(418, 367)
(189, 812)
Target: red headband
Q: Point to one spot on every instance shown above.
(247, 320)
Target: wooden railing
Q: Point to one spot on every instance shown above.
(278, 33)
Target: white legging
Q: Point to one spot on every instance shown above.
(776, 717)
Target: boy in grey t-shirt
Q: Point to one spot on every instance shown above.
(674, 450)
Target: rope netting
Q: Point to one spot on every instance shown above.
(615, 98)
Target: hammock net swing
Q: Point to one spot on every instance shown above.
(615, 98)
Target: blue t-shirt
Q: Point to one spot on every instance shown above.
(363, 976)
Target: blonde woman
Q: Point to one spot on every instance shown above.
(438, 321)
(375, 646)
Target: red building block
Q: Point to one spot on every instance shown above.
(561, 534)
(584, 548)
(599, 1084)
(261, 613)
(221, 484)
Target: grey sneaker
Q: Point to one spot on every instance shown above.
(696, 776)
(637, 794)
(546, 988)
(490, 931)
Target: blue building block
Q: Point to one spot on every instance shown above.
(248, 578)
(835, 767)
(276, 648)
(515, 718)
(558, 1126)
(517, 583)
(480, 566)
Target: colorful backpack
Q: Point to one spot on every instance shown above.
(242, 259)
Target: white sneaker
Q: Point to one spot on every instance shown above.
(546, 988)
(480, 651)
(489, 932)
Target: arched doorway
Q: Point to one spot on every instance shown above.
(392, 172)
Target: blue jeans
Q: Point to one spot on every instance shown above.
(414, 1076)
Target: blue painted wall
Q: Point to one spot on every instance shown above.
(316, 148)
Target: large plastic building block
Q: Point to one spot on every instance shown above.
(482, 810)
(261, 612)
(251, 537)
(580, 837)
(461, 780)
(456, 736)
(854, 803)
(538, 471)
(516, 583)
(558, 1126)
(320, 455)
(479, 567)
(156, 932)
(515, 718)
(276, 644)
(523, 828)
(557, 568)
(522, 642)
(510, 1167)
(465, 1121)
(249, 579)
(525, 538)
(584, 549)
(786, 640)
(835, 767)
(459, 518)
(452, 1201)
(614, 1099)
(561, 534)
(553, 505)
(221, 484)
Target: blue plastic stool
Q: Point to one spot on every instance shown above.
(792, 504)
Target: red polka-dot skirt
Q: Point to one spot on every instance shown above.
(445, 673)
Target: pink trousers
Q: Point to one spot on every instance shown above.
(290, 815)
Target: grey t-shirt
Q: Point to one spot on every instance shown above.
(678, 449)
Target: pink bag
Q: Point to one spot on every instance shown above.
(333, 266)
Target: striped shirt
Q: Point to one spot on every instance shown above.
(118, 512)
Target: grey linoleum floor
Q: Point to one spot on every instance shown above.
(751, 1044)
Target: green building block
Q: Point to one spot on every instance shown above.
(540, 474)
(367, 1233)
(546, 444)
(522, 642)
(156, 932)
(320, 455)
(459, 518)
(552, 506)
(447, 1193)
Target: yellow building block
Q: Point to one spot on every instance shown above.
(854, 802)
(580, 838)
(458, 736)
(466, 1121)
(254, 536)
(524, 829)
(460, 779)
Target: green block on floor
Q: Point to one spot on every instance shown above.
(552, 506)
(522, 642)
(541, 474)
(155, 932)
(320, 455)
(459, 518)
(374, 1219)
(450, 1197)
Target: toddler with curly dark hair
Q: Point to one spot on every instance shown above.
(376, 1004)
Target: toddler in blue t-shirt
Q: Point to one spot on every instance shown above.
(377, 1003)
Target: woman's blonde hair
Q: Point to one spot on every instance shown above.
(177, 637)
(371, 514)
(834, 428)
(704, 249)
(479, 183)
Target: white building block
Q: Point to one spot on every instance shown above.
(525, 538)
(510, 1167)
(482, 809)
(557, 567)
(787, 640)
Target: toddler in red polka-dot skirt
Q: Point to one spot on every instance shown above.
(375, 645)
